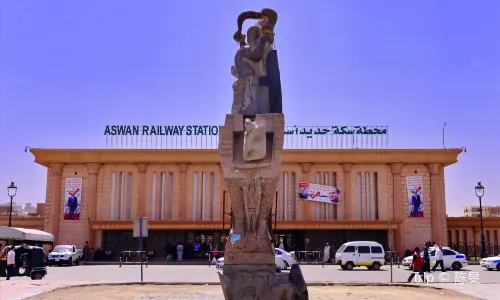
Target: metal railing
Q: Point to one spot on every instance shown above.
(473, 250)
(133, 257)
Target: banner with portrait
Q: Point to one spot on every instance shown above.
(415, 187)
(72, 198)
(319, 193)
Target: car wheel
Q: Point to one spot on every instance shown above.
(70, 262)
(498, 267)
(343, 267)
(36, 276)
(370, 268)
(490, 269)
(376, 266)
(456, 266)
(286, 265)
(349, 266)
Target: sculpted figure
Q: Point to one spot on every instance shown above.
(254, 143)
(257, 89)
(252, 195)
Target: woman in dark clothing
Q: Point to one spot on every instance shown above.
(427, 261)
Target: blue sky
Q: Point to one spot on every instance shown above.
(68, 68)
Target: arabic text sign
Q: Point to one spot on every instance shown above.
(319, 193)
(415, 187)
(341, 130)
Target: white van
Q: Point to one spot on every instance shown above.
(360, 254)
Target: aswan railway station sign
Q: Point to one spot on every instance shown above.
(124, 130)
(212, 130)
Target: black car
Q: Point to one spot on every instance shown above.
(30, 261)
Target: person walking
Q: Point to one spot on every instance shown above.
(180, 249)
(326, 253)
(418, 266)
(427, 260)
(11, 262)
(439, 260)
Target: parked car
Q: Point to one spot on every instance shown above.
(280, 263)
(288, 258)
(65, 255)
(360, 254)
(451, 259)
(491, 263)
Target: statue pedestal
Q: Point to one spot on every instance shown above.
(249, 259)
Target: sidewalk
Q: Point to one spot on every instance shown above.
(484, 291)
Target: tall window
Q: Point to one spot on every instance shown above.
(375, 199)
(112, 197)
(285, 196)
(360, 197)
(129, 196)
(294, 197)
(170, 195)
(368, 198)
(195, 194)
(212, 195)
(203, 196)
(121, 185)
(153, 198)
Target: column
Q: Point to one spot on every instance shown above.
(397, 206)
(307, 206)
(346, 192)
(183, 167)
(437, 207)
(55, 205)
(142, 189)
(91, 201)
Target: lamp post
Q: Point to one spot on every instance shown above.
(480, 193)
(11, 191)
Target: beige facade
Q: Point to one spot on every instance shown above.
(183, 190)
(488, 211)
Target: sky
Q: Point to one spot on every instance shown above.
(69, 68)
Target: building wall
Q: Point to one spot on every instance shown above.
(180, 189)
(176, 192)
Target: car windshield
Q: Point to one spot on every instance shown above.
(62, 249)
(341, 249)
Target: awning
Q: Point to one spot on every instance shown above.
(23, 234)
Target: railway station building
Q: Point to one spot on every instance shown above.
(182, 193)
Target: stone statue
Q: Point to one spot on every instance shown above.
(254, 144)
(250, 148)
(257, 89)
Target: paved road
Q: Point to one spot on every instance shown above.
(58, 276)
(329, 273)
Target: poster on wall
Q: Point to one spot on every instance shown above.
(415, 184)
(319, 193)
(72, 198)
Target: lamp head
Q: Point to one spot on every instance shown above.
(12, 190)
(479, 190)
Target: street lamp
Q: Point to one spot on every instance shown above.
(480, 193)
(11, 191)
